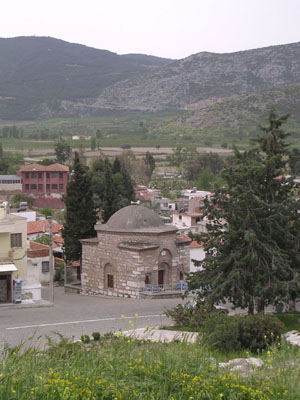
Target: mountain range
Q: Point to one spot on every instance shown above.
(42, 77)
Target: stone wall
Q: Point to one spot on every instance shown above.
(130, 266)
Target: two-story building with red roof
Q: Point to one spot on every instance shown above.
(45, 183)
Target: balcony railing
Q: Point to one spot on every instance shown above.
(179, 286)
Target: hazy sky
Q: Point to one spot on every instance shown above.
(165, 28)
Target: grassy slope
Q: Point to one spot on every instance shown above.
(121, 368)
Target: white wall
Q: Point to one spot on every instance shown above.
(196, 253)
(34, 269)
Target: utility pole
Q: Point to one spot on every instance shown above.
(51, 266)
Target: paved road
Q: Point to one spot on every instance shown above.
(73, 315)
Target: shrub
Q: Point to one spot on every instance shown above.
(259, 331)
(193, 316)
(96, 335)
(252, 332)
(85, 339)
(222, 332)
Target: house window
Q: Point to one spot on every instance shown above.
(16, 240)
(33, 186)
(180, 216)
(47, 187)
(40, 187)
(48, 175)
(26, 186)
(33, 175)
(26, 175)
(40, 175)
(61, 175)
(61, 187)
(54, 186)
(54, 175)
(45, 266)
(110, 281)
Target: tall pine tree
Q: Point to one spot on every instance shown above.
(252, 242)
(80, 214)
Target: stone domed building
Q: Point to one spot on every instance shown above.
(134, 252)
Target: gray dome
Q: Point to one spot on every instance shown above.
(135, 219)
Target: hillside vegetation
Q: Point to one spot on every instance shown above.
(208, 99)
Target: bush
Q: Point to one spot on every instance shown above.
(222, 332)
(252, 332)
(259, 331)
(85, 339)
(96, 335)
(189, 316)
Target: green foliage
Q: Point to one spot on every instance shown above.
(46, 211)
(46, 161)
(118, 367)
(85, 339)
(96, 336)
(80, 214)
(252, 242)
(189, 316)
(42, 239)
(197, 163)
(250, 332)
(150, 162)
(112, 186)
(93, 143)
(257, 332)
(221, 332)
(62, 151)
(206, 180)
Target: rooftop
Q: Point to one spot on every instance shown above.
(38, 167)
(135, 218)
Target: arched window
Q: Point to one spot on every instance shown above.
(181, 276)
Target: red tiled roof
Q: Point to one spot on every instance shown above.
(42, 227)
(37, 250)
(194, 244)
(184, 237)
(38, 167)
(37, 246)
(58, 239)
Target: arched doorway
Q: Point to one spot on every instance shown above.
(163, 274)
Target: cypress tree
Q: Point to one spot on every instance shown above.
(80, 214)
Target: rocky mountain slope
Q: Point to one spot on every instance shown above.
(206, 78)
(37, 73)
(45, 77)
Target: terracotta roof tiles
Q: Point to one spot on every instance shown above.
(38, 167)
(42, 227)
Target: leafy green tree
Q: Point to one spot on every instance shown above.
(62, 151)
(199, 162)
(252, 242)
(46, 211)
(1, 151)
(42, 239)
(80, 214)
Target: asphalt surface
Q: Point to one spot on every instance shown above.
(73, 315)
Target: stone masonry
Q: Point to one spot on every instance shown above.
(133, 251)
